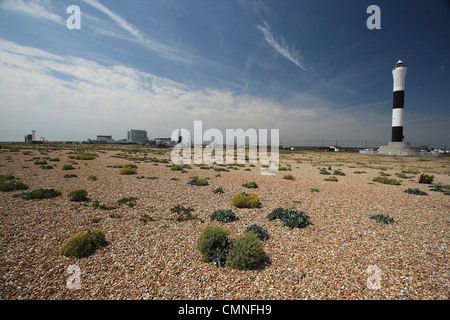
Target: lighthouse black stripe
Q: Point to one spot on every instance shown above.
(399, 99)
(397, 134)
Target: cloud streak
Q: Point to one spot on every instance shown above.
(38, 9)
(282, 48)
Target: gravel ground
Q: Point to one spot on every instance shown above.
(330, 259)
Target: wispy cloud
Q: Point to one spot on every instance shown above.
(35, 8)
(282, 48)
(136, 34)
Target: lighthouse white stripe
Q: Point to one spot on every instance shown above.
(397, 117)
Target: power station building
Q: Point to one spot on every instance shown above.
(137, 136)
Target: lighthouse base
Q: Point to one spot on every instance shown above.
(399, 149)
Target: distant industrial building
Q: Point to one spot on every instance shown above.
(104, 139)
(31, 138)
(137, 136)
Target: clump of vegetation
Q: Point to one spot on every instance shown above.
(70, 176)
(96, 205)
(251, 184)
(46, 167)
(83, 244)
(244, 200)
(220, 169)
(403, 176)
(260, 231)
(380, 218)
(289, 177)
(324, 171)
(128, 169)
(40, 162)
(290, 218)
(146, 218)
(314, 190)
(338, 173)
(10, 183)
(85, 156)
(416, 191)
(424, 178)
(439, 188)
(386, 180)
(92, 177)
(410, 171)
(332, 178)
(39, 194)
(129, 201)
(225, 216)
(78, 195)
(284, 169)
(196, 181)
(184, 214)
(218, 190)
(246, 252)
(213, 244)
(359, 172)
(67, 167)
(180, 167)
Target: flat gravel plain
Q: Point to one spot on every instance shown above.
(343, 254)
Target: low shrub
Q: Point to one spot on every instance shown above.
(218, 190)
(416, 191)
(411, 171)
(10, 183)
(92, 177)
(289, 177)
(332, 178)
(184, 214)
(324, 171)
(196, 181)
(146, 218)
(40, 162)
(338, 173)
(246, 252)
(380, 218)
(70, 176)
(251, 184)
(129, 201)
(179, 167)
(386, 180)
(213, 244)
(314, 190)
(244, 200)
(67, 167)
(83, 244)
(424, 178)
(290, 218)
(439, 188)
(284, 169)
(128, 170)
(225, 216)
(40, 194)
(260, 231)
(78, 195)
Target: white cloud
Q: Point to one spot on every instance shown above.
(34, 8)
(283, 49)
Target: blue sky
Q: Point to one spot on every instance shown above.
(311, 69)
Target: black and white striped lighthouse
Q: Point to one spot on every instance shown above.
(399, 75)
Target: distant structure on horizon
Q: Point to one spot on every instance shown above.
(137, 136)
(396, 147)
(31, 138)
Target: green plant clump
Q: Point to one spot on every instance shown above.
(290, 218)
(260, 231)
(338, 173)
(128, 170)
(332, 178)
(244, 200)
(40, 194)
(184, 214)
(386, 180)
(78, 195)
(416, 191)
(424, 178)
(324, 171)
(380, 218)
(10, 183)
(83, 244)
(225, 216)
(289, 177)
(67, 167)
(196, 181)
(251, 184)
(92, 177)
(213, 244)
(218, 190)
(246, 252)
